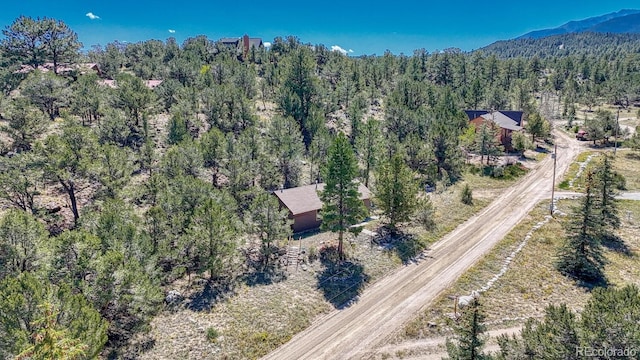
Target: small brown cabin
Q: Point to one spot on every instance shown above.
(304, 204)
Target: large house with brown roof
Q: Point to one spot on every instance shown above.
(304, 204)
(243, 45)
(506, 121)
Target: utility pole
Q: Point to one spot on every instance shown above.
(553, 180)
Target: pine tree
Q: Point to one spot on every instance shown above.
(369, 146)
(25, 323)
(318, 151)
(554, 337)
(51, 341)
(611, 319)
(47, 91)
(25, 124)
(469, 334)
(269, 222)
(115, 168)
(487, 143)
(21, 243)
(214, 231)
(581, 256)
(466, 196)
(299, 89)
(536, 126)
(342, 206)
(397, 191)
(286, 146)
(20, 181)
(607, 204)
(212, 147)
(445, 145)
(178, 130)
(68, 160)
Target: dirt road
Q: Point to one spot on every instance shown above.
(354, 332)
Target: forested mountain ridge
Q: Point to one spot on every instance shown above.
(573, 44)
(623, 21)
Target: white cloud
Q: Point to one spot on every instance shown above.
(92, 16)
(266, 44)
(350, 50)
(339, 49)
(172, 31)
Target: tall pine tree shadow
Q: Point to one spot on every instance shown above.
(586, 274)
(341, 281)
(615, 243)
(261, 274)
(209, 295)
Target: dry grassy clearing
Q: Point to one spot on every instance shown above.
(627, 163)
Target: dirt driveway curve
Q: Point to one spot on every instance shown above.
(354, 333)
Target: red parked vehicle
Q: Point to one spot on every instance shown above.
(581, 135)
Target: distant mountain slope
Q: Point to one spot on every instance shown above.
(624, 24)
(623, 21)
(565, 45)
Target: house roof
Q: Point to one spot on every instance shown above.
(257, 42)
(303, 199)
(514, 115)
(502, 120)
(152, 84)
(511, 114)
(474, 114)
(229, 40)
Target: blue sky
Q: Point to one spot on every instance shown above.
(364, 27)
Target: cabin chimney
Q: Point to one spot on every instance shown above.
(245, 46)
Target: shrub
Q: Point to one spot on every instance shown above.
(467, 195)
(313, 254)
(425, 215)
(497, 172)
(212, 334)
(620, 181)
(514, 171)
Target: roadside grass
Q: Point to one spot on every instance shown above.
(535, 155)
(476, 180)
(574, 176)
(622, 268)
(531, 282)
(259, 318)
(627, 163)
